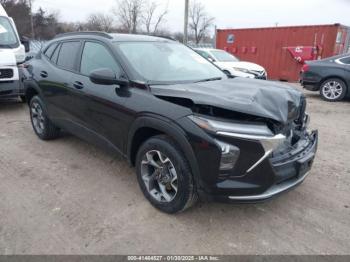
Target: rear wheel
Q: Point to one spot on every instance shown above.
(333, 90)
(164, 175)
(42, 126)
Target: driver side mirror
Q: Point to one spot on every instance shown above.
(106, 76)
(26, 43)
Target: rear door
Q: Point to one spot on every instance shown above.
(56, 83)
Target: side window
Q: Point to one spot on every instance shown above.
(206, 55)
(96, 56)
(49, 51)
(345, 60)
(55, 55)
(68, 55)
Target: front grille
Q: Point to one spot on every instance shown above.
(6, 73)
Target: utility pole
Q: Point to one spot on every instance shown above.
(186, 22)
(31, 18)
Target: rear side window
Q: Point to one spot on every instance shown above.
(68, 55)
(49, 51)
(96, 56)
(55, 55)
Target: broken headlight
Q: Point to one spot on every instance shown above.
(215, 126)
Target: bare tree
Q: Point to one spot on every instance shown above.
(153, 19)
(200, 21)
(100, 22)
(129, 13)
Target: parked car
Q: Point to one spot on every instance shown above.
(330, 76)
(231, 65)
(12, 54)
(187, 128)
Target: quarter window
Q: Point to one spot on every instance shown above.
(49, 51)
(55, 55)
(68, 55)
(96, 56)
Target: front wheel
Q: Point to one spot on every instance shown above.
(164, 175)
(333, 90)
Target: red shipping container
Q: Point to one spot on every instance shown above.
(281, 50)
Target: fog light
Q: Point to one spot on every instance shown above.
(229, 155)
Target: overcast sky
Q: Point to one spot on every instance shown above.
(228, 13)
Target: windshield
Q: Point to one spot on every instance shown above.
(223, 56)
(164, 62)
(8, 38)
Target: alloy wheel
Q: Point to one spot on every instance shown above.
(159, 176)
(38, 118)
(332, 90)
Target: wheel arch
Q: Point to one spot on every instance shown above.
(146, 127)
(31, 90)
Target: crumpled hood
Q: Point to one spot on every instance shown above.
(7, 58)
(249, 96)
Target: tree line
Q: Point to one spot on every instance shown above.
(127, 16)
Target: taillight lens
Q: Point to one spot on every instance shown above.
(305, 68)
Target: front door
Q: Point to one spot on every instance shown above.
(104, 112)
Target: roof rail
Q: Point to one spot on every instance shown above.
(165, 37)
(96, 33)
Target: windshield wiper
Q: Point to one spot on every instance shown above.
(210, 79)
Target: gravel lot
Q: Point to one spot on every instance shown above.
(68, 197)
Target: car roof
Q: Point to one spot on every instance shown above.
(114, 37)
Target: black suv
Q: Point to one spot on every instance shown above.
(189, 130)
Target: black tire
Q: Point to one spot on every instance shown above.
(227, 73)
(186, 195)
(337, 85)
(23, 99)
(43, 127)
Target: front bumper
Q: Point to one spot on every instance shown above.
(12, 87)
(270, 178)
(272, 191)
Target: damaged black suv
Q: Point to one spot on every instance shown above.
(189, 130)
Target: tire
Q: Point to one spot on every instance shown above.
(333, 90)
(23, 99)
(227, 73)
(178, 194)
(42, 126)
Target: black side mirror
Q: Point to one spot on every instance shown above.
(26, 43)
(106, 76)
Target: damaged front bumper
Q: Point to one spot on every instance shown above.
(270, 176)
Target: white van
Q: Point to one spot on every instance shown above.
(12, 54)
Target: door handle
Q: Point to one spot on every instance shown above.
(44, 74)
(78, 85)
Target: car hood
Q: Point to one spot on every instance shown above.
(240, 64)
(254, 97)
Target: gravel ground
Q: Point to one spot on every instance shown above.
(68, 197)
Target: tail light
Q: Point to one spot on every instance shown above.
(305, 68)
